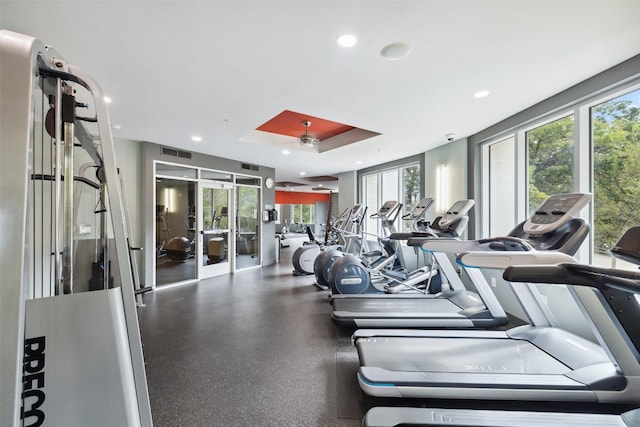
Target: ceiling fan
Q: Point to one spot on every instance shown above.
(307, 139)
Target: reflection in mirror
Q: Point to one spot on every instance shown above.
(175, 231)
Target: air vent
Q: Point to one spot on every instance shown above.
(176, 153)
(169, 151)
(250, 167)
(288, 184)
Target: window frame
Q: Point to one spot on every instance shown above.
(380, 197)
(583, 180)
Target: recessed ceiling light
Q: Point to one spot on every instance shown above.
(358, 162)
(115, 127)
(196, 138)
(107, 100)
(347, 40)
(481, 94)
(394, 51)
(303, 173)
(285, 152)
(320, 185)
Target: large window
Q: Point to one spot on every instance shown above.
(615, 130)
(502, 187)
(411, 189)
(402, 184)
(370, 200)
(550, 160)
(593, 148)
(303, 214)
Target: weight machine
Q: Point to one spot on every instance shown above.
(70, 357)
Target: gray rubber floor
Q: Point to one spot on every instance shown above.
(252, 349)
(258, 348)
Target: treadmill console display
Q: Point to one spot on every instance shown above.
(555, 212)
(422, 207)
(387, 207)
(458, 210)
(356, 211)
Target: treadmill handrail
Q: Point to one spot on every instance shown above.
(618, 288)
(503, 259)
(601, 278)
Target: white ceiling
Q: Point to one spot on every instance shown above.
(219, 69)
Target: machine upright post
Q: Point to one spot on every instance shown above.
(68, 118)
(57, 252)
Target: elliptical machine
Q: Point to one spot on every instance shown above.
(425, 279)
(352, 274)
(304, 257)
(349, 232)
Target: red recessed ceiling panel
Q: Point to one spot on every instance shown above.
(290, 123)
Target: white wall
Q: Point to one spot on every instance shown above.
(129, 161)
(445, 174)
(348, 190)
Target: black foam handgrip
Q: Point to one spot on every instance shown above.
(576, 274)
(536, 273)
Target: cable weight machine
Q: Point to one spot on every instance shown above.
(70, 357)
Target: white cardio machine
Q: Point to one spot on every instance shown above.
(346, 224)
(617, 290)
(540, 361)
(454, 307)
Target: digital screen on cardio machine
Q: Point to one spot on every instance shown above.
(554, 209)
(387, 206)
(422, 206)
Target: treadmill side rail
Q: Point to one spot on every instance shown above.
(390, 416)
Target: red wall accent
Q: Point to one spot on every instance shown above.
(297, 198)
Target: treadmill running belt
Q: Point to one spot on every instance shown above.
(396, 305)
(495, 356)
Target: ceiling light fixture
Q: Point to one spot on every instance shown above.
(196, 138)
(481, 94)
(306, 139)
(107, 100)
(395, 51)
(347, 40)
(303, 173)
(286, 152)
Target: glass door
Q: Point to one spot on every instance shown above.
(215, 228)
(175, 231)
(247, 227)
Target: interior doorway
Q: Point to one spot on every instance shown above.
(215, 228)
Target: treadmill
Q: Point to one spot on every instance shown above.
(539, 361)
(619, 291)
(456, 307)
(546, 231)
